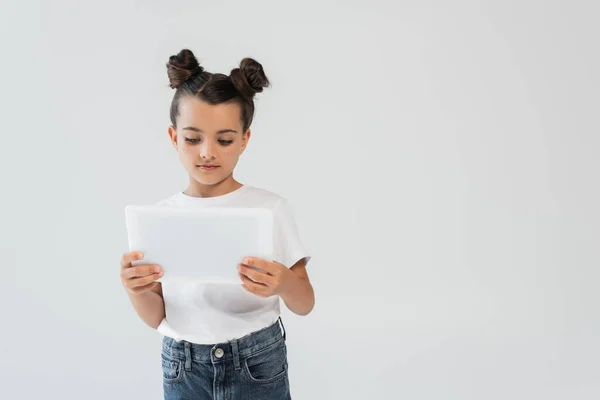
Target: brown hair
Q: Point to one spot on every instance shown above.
(190, 79)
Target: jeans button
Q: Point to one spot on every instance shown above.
(219, 353)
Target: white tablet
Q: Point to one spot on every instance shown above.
(200, 244)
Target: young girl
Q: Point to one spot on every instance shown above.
(222, 341)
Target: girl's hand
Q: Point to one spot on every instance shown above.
(274, 279)
(140, 278)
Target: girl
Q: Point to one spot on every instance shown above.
(222, 341)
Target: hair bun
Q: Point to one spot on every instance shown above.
(249, 78)
(181, 67)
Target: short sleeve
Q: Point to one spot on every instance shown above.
(287, 245)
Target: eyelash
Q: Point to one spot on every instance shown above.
(223, 142)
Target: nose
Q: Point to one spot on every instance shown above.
(207, 150)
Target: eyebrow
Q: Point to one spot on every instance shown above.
(191, 128)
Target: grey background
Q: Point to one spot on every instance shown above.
(441, 158)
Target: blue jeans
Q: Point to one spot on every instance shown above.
(250, 368)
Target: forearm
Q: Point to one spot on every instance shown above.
(149, 306)
(299, 297)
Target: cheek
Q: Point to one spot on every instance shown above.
(186, 155)
(230, 154)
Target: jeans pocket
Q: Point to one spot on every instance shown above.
(268, 365)
(171, 368)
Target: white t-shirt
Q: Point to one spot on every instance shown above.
(210, 313)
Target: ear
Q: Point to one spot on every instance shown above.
(245, 139)
(173, 136)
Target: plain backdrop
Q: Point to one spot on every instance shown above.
(441, 159)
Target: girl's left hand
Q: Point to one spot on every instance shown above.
(274, 279)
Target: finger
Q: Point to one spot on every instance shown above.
(129, 257)
(254, 288)
(143, 281)
(256, 276)
(140, 270)
(260, 263)
(252, 283)
(264, 296)
(141, 289)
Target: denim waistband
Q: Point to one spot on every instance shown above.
(234, 350)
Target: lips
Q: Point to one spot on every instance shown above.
(208, 166)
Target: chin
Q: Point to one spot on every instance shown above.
(207, 180)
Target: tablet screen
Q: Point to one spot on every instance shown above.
(200, 244)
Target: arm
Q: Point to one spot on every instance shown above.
(299, 296)
(144, 292)
(149, 305)
(292, 285)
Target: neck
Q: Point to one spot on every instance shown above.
(197, 189)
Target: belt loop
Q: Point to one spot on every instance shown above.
(236, 355)
(282, 327)
(188, 356)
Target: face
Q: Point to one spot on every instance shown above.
(209, 140)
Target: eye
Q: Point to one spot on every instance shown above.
(190, 140)
(225, 142)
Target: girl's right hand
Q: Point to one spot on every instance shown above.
(139, 278)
